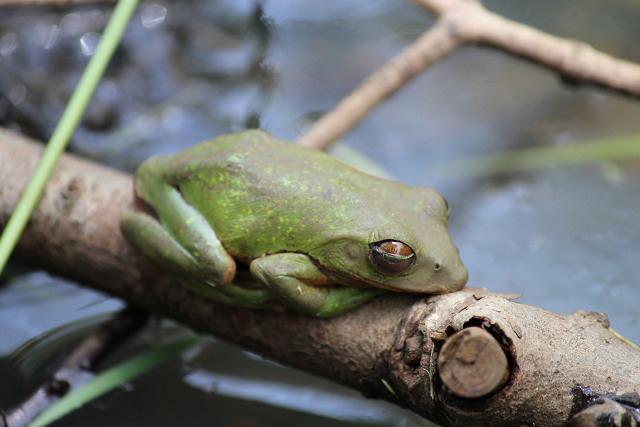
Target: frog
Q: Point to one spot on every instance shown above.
(250, 220)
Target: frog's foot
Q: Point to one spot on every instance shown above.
(297, 283)
(234, 295)
(208, 264)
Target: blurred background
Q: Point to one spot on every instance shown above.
(565, 237)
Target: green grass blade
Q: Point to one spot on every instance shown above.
(619, 148)
(114, 377)
(68, 123)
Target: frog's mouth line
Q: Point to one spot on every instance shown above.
(433, 289)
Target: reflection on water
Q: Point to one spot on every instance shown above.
(296, 398)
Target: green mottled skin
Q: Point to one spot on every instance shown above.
(266, 196)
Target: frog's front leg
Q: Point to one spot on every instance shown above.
(300, 285)
(181, 240)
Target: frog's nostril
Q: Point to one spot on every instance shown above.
(436, 266)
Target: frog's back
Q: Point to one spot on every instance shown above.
(265, 195)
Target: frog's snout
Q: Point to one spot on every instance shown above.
(453, 274)
(459, 277)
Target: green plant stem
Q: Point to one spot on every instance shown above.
(617, 148)
(66, 126)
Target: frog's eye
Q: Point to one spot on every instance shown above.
(391, 257)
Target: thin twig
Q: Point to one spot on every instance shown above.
(432, 46)
(575, 61)
(464, 22)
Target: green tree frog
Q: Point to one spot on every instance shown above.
(314, 234)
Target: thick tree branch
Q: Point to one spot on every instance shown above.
(461, 23)
(556, 365)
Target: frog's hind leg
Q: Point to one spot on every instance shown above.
(180, 240)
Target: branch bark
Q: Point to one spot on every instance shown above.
(556, 365)
(465, 22)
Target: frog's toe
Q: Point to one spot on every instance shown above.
(217, 273)
(210, 263)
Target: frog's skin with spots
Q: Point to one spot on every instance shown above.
(316, 234)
